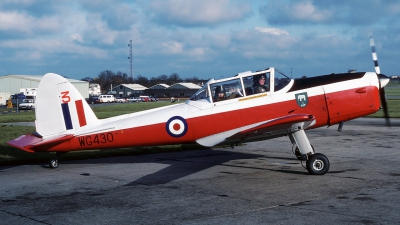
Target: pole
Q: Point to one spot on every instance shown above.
(130, 58)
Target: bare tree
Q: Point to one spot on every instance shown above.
(174, 78)
(87, 79)
(142, 81)
(107, 78)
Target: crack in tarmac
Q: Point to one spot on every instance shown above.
(26, 217)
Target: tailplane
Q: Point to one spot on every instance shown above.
(60, 108)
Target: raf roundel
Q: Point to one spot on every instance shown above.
(176, 126)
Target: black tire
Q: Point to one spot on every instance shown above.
(317, 164)
(53, 163)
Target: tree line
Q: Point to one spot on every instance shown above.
(107, 78)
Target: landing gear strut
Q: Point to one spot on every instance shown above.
(298, 154)
(316, 163)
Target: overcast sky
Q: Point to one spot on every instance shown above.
(207, 38)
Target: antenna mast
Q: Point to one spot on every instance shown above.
(130, 57)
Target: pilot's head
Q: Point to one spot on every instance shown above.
(259, 79)
(220, 91)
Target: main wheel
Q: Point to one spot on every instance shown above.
(317, 164)
(53, 163)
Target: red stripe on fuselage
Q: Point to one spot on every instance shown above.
(81, 112)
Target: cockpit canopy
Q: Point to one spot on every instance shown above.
(241, 85)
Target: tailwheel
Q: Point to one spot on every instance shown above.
(317, 164)
(53, 163)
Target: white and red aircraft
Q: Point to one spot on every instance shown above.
(284, 107)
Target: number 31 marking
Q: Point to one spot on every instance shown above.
(65, 97)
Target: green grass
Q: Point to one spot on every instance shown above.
(105, 111)
(392, 89)
(393, 109)
(17, 117)
(392, 92)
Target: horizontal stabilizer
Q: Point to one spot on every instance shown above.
(32, 143)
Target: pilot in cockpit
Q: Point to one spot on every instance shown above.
(220, 93)
(259, 84)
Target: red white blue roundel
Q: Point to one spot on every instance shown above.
(176, 126)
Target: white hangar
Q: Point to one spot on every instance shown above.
(14, 83)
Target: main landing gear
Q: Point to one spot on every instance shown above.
(316, 163)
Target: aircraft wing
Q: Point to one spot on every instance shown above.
(33, 143)
(289, 123)
(265, 130)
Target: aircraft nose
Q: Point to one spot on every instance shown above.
(383, 79)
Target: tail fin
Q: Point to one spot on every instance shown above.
(60, 108)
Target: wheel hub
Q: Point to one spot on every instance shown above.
(318, 165)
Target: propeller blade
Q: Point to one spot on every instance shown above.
(374, 56)
(383, 81)
(384, 105)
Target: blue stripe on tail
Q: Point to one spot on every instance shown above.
(67, 116)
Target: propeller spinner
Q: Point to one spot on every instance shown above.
(383, 81)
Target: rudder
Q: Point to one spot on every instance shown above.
(60, 108)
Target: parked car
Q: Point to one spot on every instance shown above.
(27, 104)
(93, 100)
(17, 99)
(107, 98)
(120, 100)
(133, 99)
(144, 98)
(153, 99)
